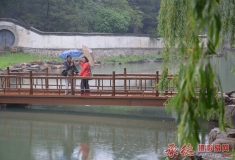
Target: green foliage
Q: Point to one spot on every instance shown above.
(163, 83)
(227, 8)
(111, 21)
(123, 59)
(9, 59)
(135, 24)
(84, 15)
(233, 155)
(180, 23)
(150, 9)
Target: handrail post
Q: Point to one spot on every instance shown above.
(8, 79)
(47, 73)
(30, 82)
(71, 82)
(113, 86)
(157, 81)
(125, 79)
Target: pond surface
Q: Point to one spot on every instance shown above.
(46, 132)
(223, 66)
(59, 134)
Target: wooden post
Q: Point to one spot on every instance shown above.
(71, 82)
(157, 81)
(98, 84)
(125, 79)
(113, 86)
(31, 82)
(47, 73)
(8, 79)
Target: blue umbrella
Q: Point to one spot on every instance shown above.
(73, 53)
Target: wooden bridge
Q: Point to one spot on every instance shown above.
(106, 89)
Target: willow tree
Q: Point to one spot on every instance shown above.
(180, 24)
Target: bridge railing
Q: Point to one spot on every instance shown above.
(125, 84)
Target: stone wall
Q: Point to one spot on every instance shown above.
(98, 53)
(103, 45)
(30, 37)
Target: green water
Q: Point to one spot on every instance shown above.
(59, 134)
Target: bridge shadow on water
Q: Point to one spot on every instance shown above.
(85, 132)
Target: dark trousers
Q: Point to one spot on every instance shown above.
(84, 85)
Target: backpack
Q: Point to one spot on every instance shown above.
(64, 72)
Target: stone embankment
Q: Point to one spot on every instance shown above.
(39, 66)
(216, 136)
(35, 66)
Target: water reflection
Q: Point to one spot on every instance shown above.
(52, 136)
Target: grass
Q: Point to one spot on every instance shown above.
(9, 59)
(131, 58)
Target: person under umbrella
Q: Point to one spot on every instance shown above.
(85, 72)
(71, 68)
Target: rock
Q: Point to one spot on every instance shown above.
(28, 64)
(4, 71)
(23, 64)
(47, 65)
(233, 100)
(57, 66)
(216, 133)
(16, 70)
(42, 69)
(179, 157)
(158, 60)
(220, 137)
(133, 62)
(35, 66)
(145, 60)
(231, 133)
(24, 70)
(58, 63)
(1, 71)
(18, 65)
(227, 99)
(53, 61)
(208, 157)
(232, 95)
(96, 64)
(11, 67)
(141, 61)
(229, 113)
(33, 69)
(48, 62)
(37, 62)
(109, 63)
(230, 141)
(53, 67)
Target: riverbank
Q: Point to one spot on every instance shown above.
(134, 58)
(23, 61)
(10, 59)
